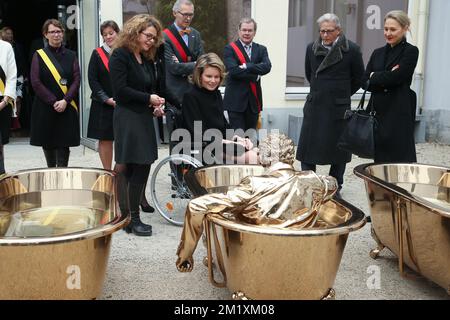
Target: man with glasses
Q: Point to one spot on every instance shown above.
(183, 45)
(334, 69)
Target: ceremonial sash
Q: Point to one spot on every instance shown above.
(55, 74)
(104, 58)
(242, 60)
(178, 46)
(2, 81)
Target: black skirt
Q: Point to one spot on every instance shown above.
(5, 123)
(134, 137)
(100, 124)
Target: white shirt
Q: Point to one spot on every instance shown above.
(8, 63)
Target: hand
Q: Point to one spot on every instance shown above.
(60, 105)
(186, 265)
(248, 144)
(175, 59)
(243, 66)
(156, 100)
(158, 112)
(2, 104)
(397, 66)
(111, 102)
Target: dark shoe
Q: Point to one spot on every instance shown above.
(137, 227)
(146, 207)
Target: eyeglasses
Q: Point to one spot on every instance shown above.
(327, 31)
(55, 32)
(149, 36)
(186, 15)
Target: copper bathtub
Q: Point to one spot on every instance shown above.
(410, 208)
(55, 232)
(257, 262)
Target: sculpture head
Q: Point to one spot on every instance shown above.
(276, 147)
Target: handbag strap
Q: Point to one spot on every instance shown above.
(370, 107)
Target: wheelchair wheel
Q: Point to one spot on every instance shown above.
(168, 190)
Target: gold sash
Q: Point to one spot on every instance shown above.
(55, 74)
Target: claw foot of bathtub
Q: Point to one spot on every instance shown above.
(331, 295)
(239, 295)
(205, 262)
(374, 253)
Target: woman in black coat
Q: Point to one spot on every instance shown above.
(102, 107)
(390, 70)
(135, 84)
(55, 118)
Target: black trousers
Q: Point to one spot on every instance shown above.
(337, 171)
(245, 120)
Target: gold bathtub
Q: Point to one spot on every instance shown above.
(410, 208)
(259, 262)
(55, 232)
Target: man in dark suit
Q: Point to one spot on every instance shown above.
(183, 45)
(334, 69)
(246, 62)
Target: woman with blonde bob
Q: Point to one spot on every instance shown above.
(389, 74)
(136, 67)
(203, 103)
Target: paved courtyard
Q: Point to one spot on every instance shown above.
(144, 267)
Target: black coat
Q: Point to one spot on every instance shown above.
(101, 114)
(200, 104)
(132, 85)
(394, 101)
(51, 129)
(334, 77)
(238, 94)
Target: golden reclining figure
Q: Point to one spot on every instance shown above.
(282, 197)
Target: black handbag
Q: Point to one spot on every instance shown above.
(359, 133)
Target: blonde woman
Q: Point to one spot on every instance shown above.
(137, 90)
(390, 72)
(203, 104)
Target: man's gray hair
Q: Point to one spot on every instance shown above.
(247, 20)
(330, 17)
(177, 5)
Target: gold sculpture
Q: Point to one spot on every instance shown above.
(281, 198)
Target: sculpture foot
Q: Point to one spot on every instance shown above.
(331, 295)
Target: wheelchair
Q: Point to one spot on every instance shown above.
(169, 191)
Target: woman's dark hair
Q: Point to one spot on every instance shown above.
(54, 22)
(109, 24)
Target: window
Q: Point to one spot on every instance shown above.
(361, 21)
(216, 20)
(297, 13)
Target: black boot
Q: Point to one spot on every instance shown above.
(62, 157)
(137, 227)
(50, 157)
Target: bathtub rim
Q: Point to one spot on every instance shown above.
(112, 226)
(361, 171)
